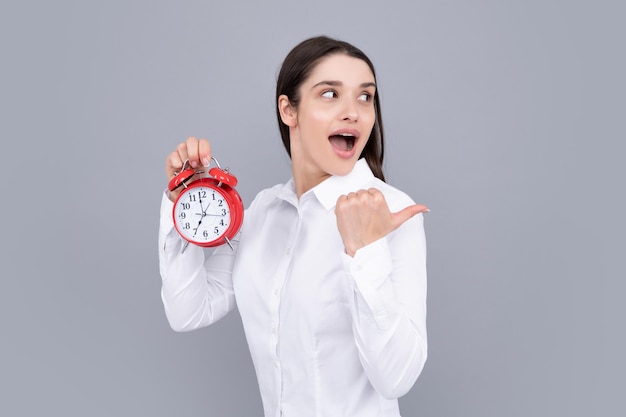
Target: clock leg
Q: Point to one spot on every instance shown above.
(185, 244)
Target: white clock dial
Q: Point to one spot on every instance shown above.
(202, 214)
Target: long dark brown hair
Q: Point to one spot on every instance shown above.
(296, 68)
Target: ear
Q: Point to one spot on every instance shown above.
(288, 113)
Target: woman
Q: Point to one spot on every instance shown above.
(329, 269)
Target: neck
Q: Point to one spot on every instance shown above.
(304, 179)
(305, 174)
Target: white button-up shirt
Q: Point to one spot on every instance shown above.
(329, 335)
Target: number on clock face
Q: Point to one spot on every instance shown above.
(202, 214)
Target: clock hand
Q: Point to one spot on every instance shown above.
(200, 222)
(203, 210)
(197, 227)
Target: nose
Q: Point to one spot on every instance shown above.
(350, 111)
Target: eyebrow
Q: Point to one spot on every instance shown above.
(339, 84)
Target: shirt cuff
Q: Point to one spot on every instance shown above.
(168, 236)
(166, 212)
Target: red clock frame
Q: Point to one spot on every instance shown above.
(224, 183)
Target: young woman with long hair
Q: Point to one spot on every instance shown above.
(329, 269)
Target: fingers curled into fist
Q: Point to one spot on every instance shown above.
(196, 151)
(364, 217)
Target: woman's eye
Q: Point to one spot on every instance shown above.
(365, 97)
(329, 94)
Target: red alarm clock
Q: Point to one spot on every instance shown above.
(209, 211)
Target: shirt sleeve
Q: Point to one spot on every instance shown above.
(197, 288)
(389, 307)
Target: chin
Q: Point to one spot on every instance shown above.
(344, 169)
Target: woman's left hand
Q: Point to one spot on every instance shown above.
(364, 217)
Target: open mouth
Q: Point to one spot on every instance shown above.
(343, 141)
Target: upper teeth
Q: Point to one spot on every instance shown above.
(347, 134)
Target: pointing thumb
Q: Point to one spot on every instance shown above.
(405, 214)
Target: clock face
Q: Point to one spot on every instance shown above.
(202, 214)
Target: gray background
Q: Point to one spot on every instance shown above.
(505, 117)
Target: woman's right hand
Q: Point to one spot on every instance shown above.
(196, 151)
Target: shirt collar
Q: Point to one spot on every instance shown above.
(288, 193)
(329, 190)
